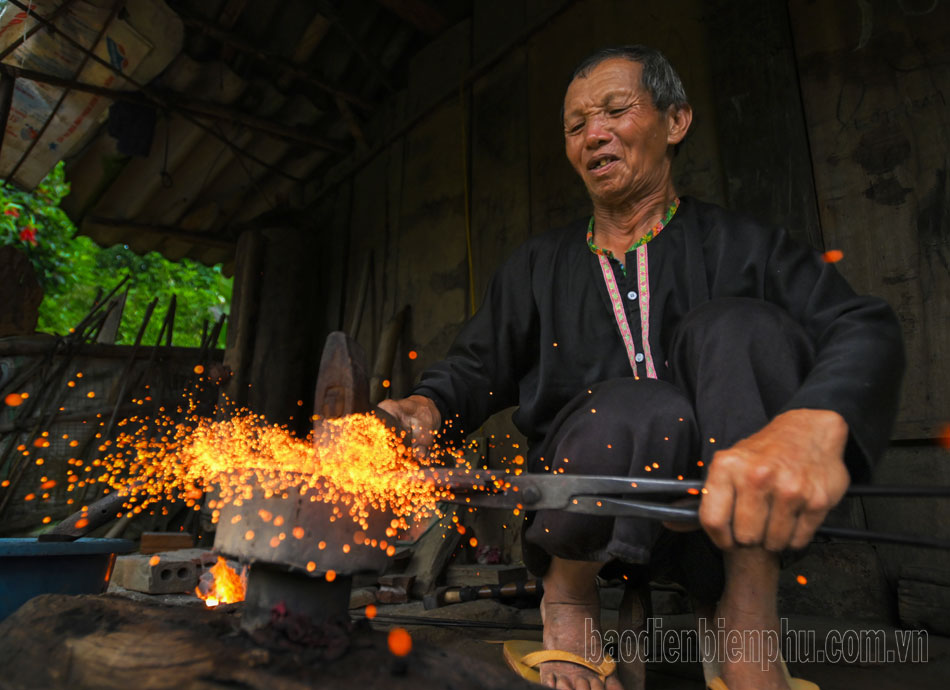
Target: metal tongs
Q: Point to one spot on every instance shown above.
(601, 495)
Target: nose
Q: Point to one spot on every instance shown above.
(596, 132)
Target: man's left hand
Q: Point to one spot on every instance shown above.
(774, 488)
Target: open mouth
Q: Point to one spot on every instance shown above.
(600, 162)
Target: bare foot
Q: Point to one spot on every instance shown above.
(570, 611)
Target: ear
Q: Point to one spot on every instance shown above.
(678, 122)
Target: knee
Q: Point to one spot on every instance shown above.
(735, 320)
(626, 399)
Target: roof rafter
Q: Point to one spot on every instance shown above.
(182, 104)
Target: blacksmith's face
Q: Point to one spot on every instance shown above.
(615, 138)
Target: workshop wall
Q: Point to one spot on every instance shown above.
(829, 118)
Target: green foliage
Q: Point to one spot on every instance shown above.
(73, 268)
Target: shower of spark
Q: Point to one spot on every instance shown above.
(355, 462)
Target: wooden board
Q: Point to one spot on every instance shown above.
(500, 167)
(430, 252)
(874, 79)
(758, 109)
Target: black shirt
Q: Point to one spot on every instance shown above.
(546, 330)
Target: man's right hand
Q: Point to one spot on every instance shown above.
(419, 416)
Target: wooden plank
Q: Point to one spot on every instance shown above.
(424, 16)
(759, 112)
(874, 79)
(154, 542)
(474, 574)
(926, 516)
(494, 24)
(500, 168)
(430, 248)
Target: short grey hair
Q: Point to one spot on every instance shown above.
(658, 76)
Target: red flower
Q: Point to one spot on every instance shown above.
(28, 234)
(12, 211)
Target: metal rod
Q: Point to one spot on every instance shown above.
(593, 505)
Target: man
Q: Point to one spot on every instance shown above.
(668, 337)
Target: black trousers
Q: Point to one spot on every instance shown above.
(733, 364)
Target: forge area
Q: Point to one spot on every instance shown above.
(122, 640)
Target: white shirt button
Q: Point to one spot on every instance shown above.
(639, 357)
(631, 295)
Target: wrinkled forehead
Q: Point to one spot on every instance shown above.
(604, 81)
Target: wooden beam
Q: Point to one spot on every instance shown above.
(328, 11)
(271, 59)
(7, 84)
(422, 15)
(167, 231)
(174, 101)
(358, 162)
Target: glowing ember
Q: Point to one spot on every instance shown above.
(833, 256)
(371, 611)
(802, 580)
(400, 641)
(14, 400)
(222, 584)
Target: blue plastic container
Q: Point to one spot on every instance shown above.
(29, 567)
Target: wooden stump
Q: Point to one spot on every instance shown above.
(20, 293)
(107, 642)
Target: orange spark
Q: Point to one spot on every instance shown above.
(413, 354)
(400, 641)
(370, 612)
(331, 575)
(199, 369)
(14, 399)
(832, 256)
(802, 580)
(154, 560)
(297, 532)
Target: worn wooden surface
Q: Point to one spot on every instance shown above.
(111, 643)
(874, 79)
(760, 123)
